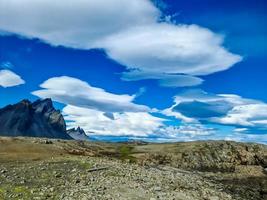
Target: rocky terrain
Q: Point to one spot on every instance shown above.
(35, 168)
(37, 119)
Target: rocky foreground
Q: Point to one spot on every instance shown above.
(33, 168)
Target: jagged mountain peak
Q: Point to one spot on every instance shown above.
(37, 119)
(43, 105)
(77, 133)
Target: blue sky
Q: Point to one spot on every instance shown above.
(166, 70)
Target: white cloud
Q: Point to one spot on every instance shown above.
(10, 79)
(102, 113)
(246, 115)
(74, 23)
(169, 112)
(165, 48)
(238, 136)
(130, 32)
(262, 122)
(140, 124)
(180, 81)
(226, 109)
(238, 130)
(211, 134)
(188, 130)
(72, 91)
(95, 122)
(167, 80)
(91, 109)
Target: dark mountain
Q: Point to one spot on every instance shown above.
(37, 119)
(77, 134)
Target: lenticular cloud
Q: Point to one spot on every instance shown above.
(10, 79)
(73, 91)
(128, 31)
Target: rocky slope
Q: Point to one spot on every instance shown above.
(215, 156)
(35, 168)
(37, 119)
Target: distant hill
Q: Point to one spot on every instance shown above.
(37, 119)
(77, 134)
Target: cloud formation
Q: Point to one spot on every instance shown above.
(247, 115)
(139, 124)
(9, 79)
(251, 115)
(185, 130)
(154, 51)
(167, 80)
(123, 124)
(103, 113)
(74, 23)
(131, 33)
(202, 110)
(72, 91)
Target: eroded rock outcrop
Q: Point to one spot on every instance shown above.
(211, 156)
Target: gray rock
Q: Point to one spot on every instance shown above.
(157, 189)
(37, 119)
(77, 134)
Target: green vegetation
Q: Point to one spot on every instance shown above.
(125, 152)
(85, 165)
(22, 190)
(2, 192)
(18, 192)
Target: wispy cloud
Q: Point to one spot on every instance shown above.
(167, 80)
(9, 79)
(6, 65)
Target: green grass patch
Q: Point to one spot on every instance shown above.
(20, 189)
(125, 152)
(85, 165)
(20, 192)
(2, 192)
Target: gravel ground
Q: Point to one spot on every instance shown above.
(103, 178)
(71, 170)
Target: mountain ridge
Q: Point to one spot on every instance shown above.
(77, 133)
(33, 119)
